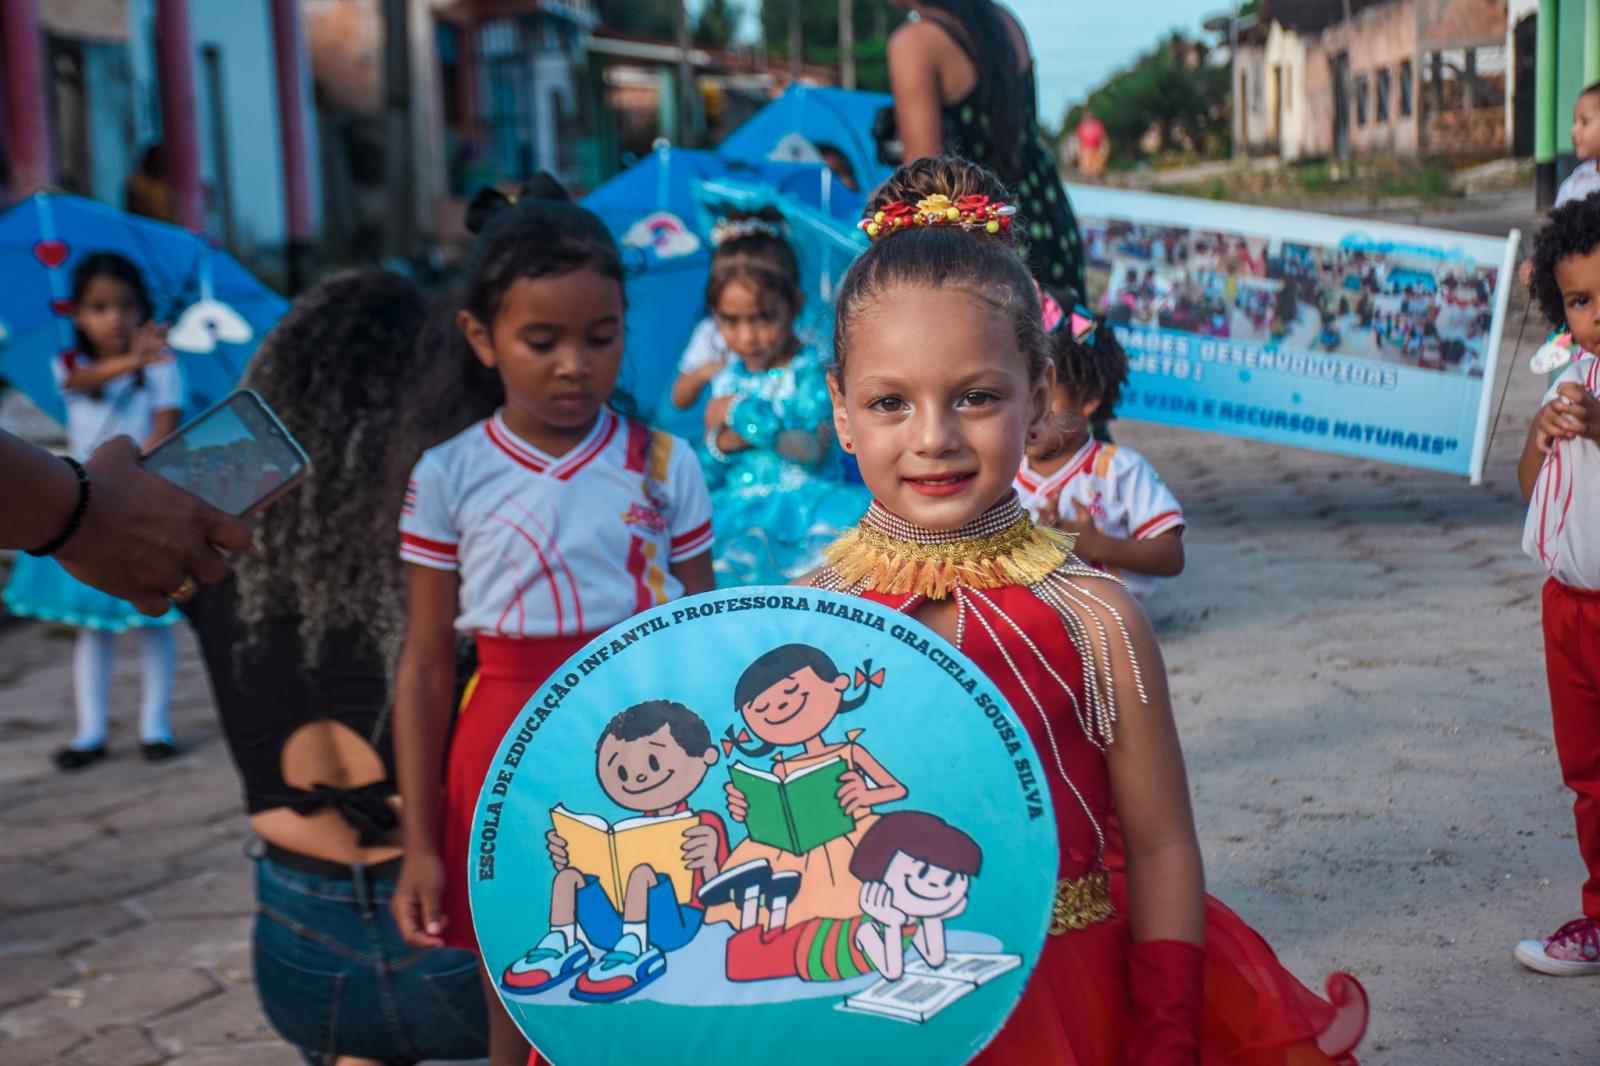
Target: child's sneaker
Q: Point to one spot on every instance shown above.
(734, 883)
(621, 972)
(1571, 951)
(551, 962)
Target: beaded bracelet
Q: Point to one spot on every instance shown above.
(77, 515)
(712, 450)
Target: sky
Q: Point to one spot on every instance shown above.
(1077, 43)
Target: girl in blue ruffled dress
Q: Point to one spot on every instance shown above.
(777, 491)
(120, 380)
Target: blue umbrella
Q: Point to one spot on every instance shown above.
(840, 118)
(655, 207)
(219, 308)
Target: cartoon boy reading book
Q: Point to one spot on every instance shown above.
(915, 870)
(625, 892)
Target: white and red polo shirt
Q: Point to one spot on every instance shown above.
(1119, 488)
(1562, 531)
(556, 545)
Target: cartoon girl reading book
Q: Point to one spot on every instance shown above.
(915, 872)
(807, 815)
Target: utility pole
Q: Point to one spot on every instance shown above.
(685, 79)
(397, 141)
(794, 40)
(847, 44)
(1234, 90)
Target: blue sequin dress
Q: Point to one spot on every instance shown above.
(776, 505)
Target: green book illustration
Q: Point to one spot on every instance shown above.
(796, 813)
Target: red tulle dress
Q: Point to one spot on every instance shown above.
(1078, 1009)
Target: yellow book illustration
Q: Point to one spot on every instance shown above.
(611, 852)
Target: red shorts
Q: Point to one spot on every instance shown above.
(510, 671)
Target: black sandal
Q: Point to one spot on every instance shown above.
(68, 759)
(159, 750)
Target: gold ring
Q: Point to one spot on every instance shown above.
(185, 591)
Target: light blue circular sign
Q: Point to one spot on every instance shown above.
(769, 825)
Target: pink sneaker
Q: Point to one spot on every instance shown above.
(1571, 951)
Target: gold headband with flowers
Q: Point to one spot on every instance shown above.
(965, 212)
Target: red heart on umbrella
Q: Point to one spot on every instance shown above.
(61, 307)
(51, 253)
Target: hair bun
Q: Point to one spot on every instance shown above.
(488, 203)
(942, 175)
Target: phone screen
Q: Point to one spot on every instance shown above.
(235, 456)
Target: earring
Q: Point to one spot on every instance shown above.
(1033, 435)
(847, 446)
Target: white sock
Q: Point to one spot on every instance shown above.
(91, 684)
(638, 929)
(569, 932)
(158, 658)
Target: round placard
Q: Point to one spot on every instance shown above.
(770, 825)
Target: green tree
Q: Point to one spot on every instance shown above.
(1173, 90)
(649, 17)
(819, 35)
(718, 23)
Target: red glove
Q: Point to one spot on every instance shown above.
(1166, 979)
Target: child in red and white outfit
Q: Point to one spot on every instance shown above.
(1560, 478)
(531, 531)
(1126, 519)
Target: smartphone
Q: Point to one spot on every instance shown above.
(236, 456)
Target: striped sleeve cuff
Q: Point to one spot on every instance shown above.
(424, 552)
(688, 545)
(1161, 523)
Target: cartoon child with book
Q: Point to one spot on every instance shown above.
(626, 892)
(915, 871)
(807, 815)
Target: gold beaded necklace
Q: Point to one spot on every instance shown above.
(885, 553)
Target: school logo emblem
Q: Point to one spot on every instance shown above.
(802, 809)
(650, 518)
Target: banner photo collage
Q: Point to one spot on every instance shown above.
(1373, 340)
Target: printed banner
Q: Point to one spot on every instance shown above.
(805, 811)
(1368, 339)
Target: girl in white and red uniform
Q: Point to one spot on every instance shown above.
(531, 531)
(1126, 519)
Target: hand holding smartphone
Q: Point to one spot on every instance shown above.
(236, 456)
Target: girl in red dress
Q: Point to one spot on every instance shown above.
(942, 379)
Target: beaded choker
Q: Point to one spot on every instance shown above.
(885, 553)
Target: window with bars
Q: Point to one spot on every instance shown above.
(1362, 85)
(1407, 79)
(1383, 95)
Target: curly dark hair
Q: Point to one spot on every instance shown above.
(1096, 370)
(1571, 229)
(986, 266)
(340, 370)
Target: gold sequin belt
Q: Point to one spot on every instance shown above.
(1082, 902)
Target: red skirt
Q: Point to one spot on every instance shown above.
(1077, 1010)
(510, 671)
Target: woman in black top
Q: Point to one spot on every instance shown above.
(963, 85)
(299, 647)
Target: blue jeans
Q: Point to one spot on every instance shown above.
(335, 978)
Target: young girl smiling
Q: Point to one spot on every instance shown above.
(942, 378)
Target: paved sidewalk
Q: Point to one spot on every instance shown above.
(1356, 667)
